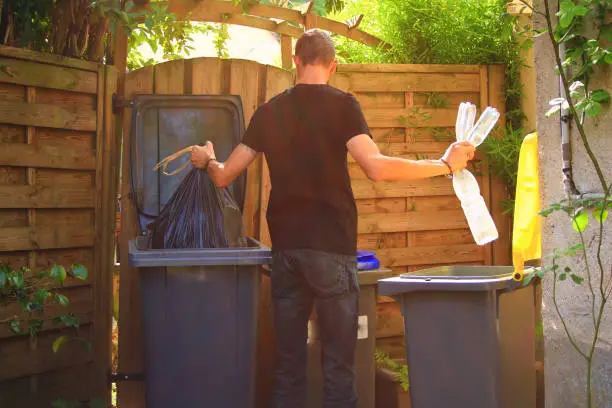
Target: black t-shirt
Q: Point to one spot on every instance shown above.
(303, 133)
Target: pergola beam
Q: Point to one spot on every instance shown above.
(263, 17)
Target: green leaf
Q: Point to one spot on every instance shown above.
(600, 215)
(58, 273)
(600, 95)
(608, 58)
(79, 271)
(577, 279)
(592, 108)
(565, 19)
(70, 320)
(562, 276)
(528, 278)
(15, 326)
(16, 280)
(580, 222)
(57, 343)
(41, 295)
(61, 299)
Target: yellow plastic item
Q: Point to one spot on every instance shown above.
(527, 230)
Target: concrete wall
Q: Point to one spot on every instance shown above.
(565, 370)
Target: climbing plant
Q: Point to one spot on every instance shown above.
(33, 293)
(583, 28)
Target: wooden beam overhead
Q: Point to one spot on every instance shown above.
(265, 17)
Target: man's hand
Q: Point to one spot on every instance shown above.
(458, 155)
(202, 155)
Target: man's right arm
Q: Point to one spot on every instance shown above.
(379, 167)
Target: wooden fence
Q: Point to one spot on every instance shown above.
(57, 205)
(411, 225)
(411, 110)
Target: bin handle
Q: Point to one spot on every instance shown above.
(163, 164)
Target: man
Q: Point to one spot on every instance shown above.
(305, 133)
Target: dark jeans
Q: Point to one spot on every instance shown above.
(301, 279)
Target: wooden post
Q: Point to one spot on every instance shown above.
(286, 51)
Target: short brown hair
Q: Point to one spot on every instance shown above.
(315, 47)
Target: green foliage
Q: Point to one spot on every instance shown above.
(221, 36)
(34, 292)
(502, 155)
(400, 370)
(162, 32)
(450, 32)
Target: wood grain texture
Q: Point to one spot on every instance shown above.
(434, 254)
(43, 197)
(47, 60)
(414, 82)
(130, 393)
(45, 115)
(32, 73)
(387, 189)
(36, 155)
(411, 221)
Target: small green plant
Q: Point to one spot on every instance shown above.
(502, 155)
(34, 292)
(584, 29)
(436, 100)
(399, 369)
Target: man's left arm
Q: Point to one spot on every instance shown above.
(222, 174)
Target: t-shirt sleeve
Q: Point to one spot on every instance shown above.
(254, 134)
(354, 123)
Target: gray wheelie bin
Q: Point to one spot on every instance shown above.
(470, 337)
(199, 306)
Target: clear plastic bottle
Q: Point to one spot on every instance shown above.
(474, 207)
(464, 183)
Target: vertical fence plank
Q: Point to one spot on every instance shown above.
(130, 393)
(244, 80)
(485, 189)
(106, 192)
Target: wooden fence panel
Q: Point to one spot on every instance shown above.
(57, 201)
(255, 84)
(412, 225)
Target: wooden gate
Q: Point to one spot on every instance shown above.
(411, 110)
(57, 206)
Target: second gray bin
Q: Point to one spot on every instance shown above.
(199, 310)
(470, 337)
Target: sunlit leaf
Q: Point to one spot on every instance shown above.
(58, 273)
(57, 343)
(79, 271)
(580, 221)
(600, 215)
(592, 108)
(600, 95)
(577, 279)
(61, 299)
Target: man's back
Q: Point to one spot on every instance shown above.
(303, 133)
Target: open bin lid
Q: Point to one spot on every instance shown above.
(451, 279)
(165, 124)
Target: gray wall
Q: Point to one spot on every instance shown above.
(565, 371)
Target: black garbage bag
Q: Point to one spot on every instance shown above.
(198, 215)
